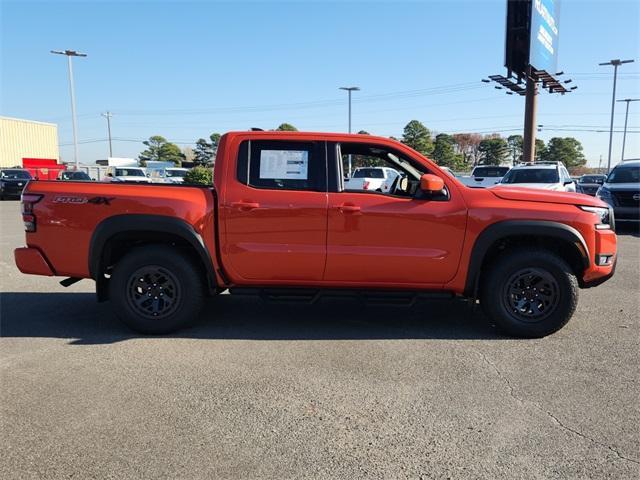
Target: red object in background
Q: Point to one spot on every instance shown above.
(43, 168)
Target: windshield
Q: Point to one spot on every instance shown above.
(15, 175)
(592, 179)
(175, 173)
(129, 172)
(531, 175)
(368, 173)
(624, 175)
(75, 176)
(490, 171)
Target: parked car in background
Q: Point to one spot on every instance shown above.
(621, 190)
(13, 181)
(375, 179)
(485, 176)
(127, 174)
(543, 175)
(72, 176)
(589, 184)
(175, 175)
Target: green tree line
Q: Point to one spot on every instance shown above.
(459, 151)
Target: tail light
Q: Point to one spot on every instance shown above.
(28, 200)
(365, 185)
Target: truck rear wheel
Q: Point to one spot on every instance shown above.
(156, 290)
(529, 292)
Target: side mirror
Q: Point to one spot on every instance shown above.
(431, 183)
(109, 174)
(568, 182)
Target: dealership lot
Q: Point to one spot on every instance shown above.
(331, 390)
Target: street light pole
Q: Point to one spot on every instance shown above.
(626, 118)
(69, 54)
(616, 63)
(108, 116)
(349, 90)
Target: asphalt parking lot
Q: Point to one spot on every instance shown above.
(336, 390)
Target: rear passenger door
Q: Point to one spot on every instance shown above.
(275, 212)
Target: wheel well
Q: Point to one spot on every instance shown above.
(120, 244)
(571, 253)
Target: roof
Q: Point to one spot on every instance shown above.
(629, 163)
(28, 121)
(547, 166)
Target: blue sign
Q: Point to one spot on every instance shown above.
(543, 46)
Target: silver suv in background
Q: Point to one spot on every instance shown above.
(621, 190)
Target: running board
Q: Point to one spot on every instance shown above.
(370, 297)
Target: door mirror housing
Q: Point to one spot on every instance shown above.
(431, 183)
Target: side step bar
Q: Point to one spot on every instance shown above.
(311, 296)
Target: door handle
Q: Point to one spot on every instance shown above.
(245, 205)
(349, 208)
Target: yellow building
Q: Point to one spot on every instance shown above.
(26, 139)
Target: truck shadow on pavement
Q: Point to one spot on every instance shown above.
(79, 318)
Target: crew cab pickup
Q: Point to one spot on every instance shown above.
(280, 222)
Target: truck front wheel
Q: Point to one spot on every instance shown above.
(156, 289)
(529, 292)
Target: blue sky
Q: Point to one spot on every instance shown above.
(186, 69)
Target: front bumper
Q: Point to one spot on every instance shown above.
(605, 244)
(11, 190)
(32, 261)
(627, 214)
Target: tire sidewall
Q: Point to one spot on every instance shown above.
(190, 286)
(493, 298)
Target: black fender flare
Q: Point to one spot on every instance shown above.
(117, 224)
(509, 228)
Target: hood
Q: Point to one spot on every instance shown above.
(545, 196)
(622, 186)
(15, 180)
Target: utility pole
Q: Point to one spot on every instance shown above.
(530, 110)
(69, 54)
(349, 90)
(626, 118)
(108, 116)
(615, 63)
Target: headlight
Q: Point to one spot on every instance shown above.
(603, 193)
(601, 212)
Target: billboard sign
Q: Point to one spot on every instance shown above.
(532, 36)
(544, 38)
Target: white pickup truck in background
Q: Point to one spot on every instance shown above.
(485, 176)
(377, 179)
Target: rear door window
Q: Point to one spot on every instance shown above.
(282, 165)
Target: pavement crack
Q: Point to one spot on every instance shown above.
(553, 418)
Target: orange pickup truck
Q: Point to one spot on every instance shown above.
(280, 221)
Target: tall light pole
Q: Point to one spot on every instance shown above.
(349, 90)
(69, 54)
(626, 118)
(108, 116)
(616, 63)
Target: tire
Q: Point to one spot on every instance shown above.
(529, 292)
(172, 283)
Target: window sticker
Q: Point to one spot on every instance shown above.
(284, 164)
